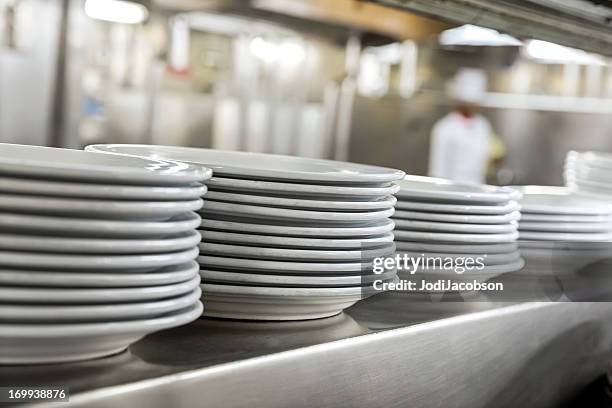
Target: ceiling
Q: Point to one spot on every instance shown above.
(584, 24)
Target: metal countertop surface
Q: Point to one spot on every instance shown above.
(389, 350)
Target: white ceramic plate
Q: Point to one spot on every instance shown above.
(289, 267)
(250, 279)
(86, 227)
(486, 248)
(88, 245)
(435, 189)
(261, 166)
(104, 191)
(295, 242)
(591, 159)
(454, 237)
(560, 201)
(97, 208)
(95, 295)
(277, 214)
(561, 236)
(458, 218)
(92, 313)
(310, 255)
(297, 203)
(454, 227)
(487, 259)
(313, 191)
(264, 303)
(55, 343)
(48, 162)
(489, 271)
(383, 227)
(43, 278)
(565, 227)
(499, 209)
(552, 218)
(123, 263)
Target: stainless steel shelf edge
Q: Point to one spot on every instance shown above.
(536, 353)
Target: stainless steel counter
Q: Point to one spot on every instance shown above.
(386, 351)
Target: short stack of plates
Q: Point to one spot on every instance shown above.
(566, 235)
(589, 173)
(286, 238)
(96, 251)
(440, 219)
(556, 214)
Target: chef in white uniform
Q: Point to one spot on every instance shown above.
(461, 141)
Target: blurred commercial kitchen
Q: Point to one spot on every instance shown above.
(346, 79)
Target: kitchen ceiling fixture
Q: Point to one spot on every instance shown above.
(469, 34)
(116, 11)
(550, 53)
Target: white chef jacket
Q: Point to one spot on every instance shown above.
(460, 148)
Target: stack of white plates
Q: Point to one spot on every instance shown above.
(557, 214)
(440, 219)
(96, 251)
(286, 238)
(589, 173)
(569, 236)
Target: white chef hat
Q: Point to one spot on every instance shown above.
(468, 85)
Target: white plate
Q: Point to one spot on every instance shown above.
(97, 208)
(383, 227)
(278, 279)
(263, 303)
(560, 236)
(301, 190)
(591, 159)
(261, 166)
(43, 278)
(499, 248)
(277, 214)
(454, 227)
(88, 245)
(294, 268)
(295, 242)
(565, 227)
(123, 263)
(552, 218)
(95, 295)
(582, 188)
(436, 189)
(48, 162)
(454, 237)
(489, 271)
(560, 200)
(55, 343)
(297, 203)
(500, 209)
(487, 259)
(311, 255)
(86, 227)
(458, 218)
(104, 191)
(93, 313)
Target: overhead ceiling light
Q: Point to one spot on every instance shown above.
(116, 11)
(550, 53)
(476, 36)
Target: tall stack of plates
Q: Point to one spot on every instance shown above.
(438, 219)
(567, 236)
(589, 173)
(286, 238)
(96, 251)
